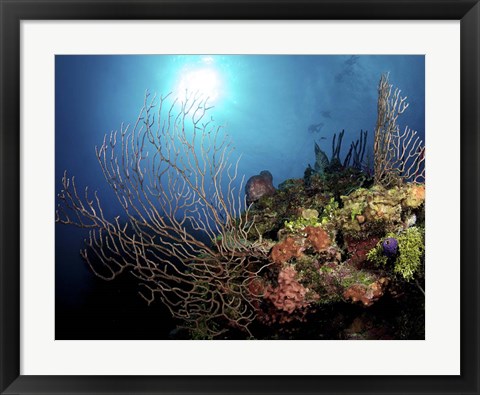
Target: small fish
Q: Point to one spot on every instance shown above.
(326, 114)
(316, 128)
(321, 160)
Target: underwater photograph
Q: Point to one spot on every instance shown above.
(240, 197)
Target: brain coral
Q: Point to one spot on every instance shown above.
(259, 185)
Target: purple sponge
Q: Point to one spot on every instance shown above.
(390, 247)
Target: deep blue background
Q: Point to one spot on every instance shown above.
(267, 104)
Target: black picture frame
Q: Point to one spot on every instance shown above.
(12, 12)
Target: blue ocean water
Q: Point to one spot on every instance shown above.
(273, 107)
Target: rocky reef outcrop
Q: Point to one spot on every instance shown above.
(343, 251)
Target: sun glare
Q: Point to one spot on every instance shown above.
(203, 81)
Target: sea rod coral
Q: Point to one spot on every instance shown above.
(399, 156)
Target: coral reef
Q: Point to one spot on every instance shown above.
(327, 251)
(349, 250)
(347, 240)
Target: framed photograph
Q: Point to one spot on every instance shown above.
(235, 197)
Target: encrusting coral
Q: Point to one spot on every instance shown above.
(317, 238)
(374, 211)
(289, 294)
(287, 249)
(366, 294)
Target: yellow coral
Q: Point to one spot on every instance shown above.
(309, 213)
(415, 195)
